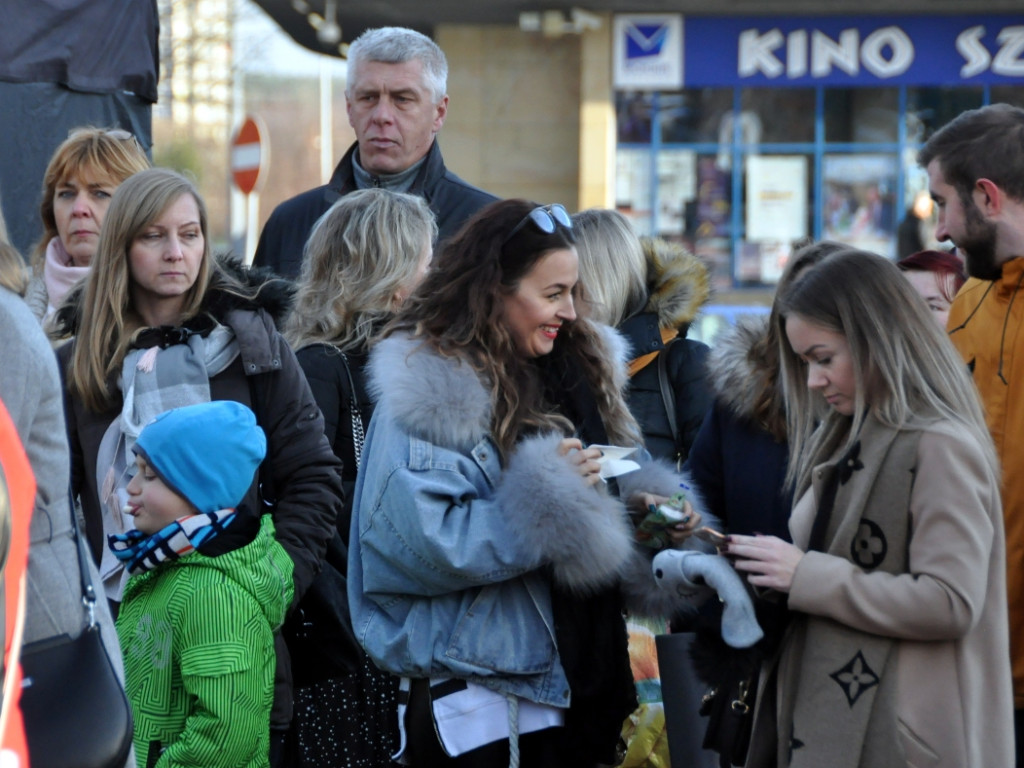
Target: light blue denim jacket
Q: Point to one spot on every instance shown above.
(452, 556)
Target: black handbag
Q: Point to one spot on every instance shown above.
(74, 708)
(729, 708)
(732, 676)
(319, 634)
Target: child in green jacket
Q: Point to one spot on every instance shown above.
(197, 631)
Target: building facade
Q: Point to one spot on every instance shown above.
(736, 135)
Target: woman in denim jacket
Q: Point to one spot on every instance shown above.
(488, 558)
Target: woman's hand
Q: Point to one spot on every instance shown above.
(583, 460)
(770, 561)
(677, 533)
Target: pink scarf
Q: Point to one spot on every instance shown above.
(59, 274)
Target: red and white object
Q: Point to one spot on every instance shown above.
(250, 156)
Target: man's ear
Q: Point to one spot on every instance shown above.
(989, 197)
(441, 114)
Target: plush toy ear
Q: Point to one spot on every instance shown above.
(685, 573)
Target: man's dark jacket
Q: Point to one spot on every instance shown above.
(284, 236)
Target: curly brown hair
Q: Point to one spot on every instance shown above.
(459, 310)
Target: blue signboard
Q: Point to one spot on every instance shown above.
(853, 51)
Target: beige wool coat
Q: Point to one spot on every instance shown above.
(948, 613)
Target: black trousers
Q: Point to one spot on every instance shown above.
(539, 749)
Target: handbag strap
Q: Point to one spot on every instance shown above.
(88, 592)
(667, 395)
(358, 432)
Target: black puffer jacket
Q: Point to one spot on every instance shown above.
(678, 287)
(300, 476)
(284, 235)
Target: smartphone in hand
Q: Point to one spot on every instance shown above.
(711, 536)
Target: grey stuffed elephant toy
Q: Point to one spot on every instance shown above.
(687, 573)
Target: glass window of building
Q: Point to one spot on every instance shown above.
(695, 115)
(861, 115)
(928, 109)
(1001, 94)
(780, 115)
(634, 111)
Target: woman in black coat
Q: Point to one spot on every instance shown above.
(363, 258)
(650, 290)
(159, 324)
(740, 456)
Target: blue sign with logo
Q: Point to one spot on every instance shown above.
(645, 40)
(853, 51)
(648, 51)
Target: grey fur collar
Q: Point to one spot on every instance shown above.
(438, 399)
(442, 399)
(731, 374)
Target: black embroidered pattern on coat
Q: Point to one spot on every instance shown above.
(855, 678)
(869, 546)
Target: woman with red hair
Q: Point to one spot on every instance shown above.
(936, 276)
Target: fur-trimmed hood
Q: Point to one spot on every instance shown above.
(269, 292)
(677, 282)
(444, 400)
(731, 372)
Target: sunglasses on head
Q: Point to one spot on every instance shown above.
(546, 218)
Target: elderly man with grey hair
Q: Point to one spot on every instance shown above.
(397, 101)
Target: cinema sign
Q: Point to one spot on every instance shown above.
(853, 51)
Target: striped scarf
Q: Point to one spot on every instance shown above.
(140, 552)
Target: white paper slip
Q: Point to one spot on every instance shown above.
(613, 460)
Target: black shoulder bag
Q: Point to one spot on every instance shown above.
(668, 398)
(75, 710)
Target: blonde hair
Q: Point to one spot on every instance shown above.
(361, 252)
(108, 319)
(105, 153)
(613, 268)
(905, 367)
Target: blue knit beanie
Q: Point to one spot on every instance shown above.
(207, 453)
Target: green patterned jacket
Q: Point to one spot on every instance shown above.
(197, 639)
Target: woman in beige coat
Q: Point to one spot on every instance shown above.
(897, 653)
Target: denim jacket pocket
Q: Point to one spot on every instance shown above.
(503, 631)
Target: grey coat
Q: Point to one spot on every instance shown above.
(31, 390)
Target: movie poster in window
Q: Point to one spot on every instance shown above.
(859, 204)
(633, 186)
(776, 198)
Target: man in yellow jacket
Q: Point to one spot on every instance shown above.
(975, 170)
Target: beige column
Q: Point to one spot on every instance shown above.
(597, 118)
